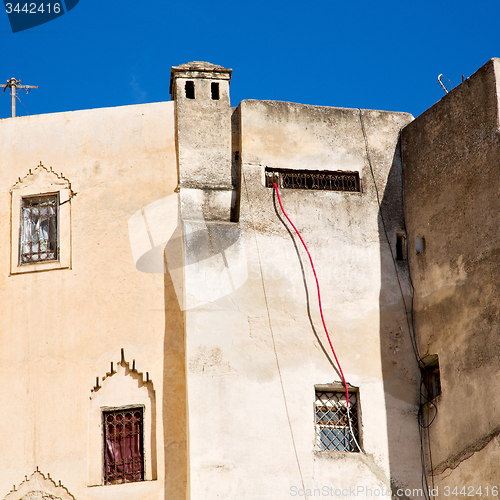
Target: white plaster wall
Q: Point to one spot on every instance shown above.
(251, 423)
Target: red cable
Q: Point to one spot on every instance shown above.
(319, 294)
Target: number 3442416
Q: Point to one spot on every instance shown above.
(471, 491)
(33, 8)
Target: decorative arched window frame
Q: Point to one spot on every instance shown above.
(41, 183)
(39, 487)
(121, 388)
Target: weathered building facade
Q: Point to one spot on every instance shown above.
(451, 153)
(161, 327)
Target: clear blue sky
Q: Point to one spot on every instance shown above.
(376, 55)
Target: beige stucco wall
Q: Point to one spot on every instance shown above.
(451, 158)
(253, 355)
(61, 329)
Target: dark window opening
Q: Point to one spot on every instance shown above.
(189, 90)
(400, 246)
(123, 446)
(236, 155)
(215, 91)
(313, 180)
(431, 376)
(38, 232)
(334, 431)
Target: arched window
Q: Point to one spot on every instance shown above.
(122, 441)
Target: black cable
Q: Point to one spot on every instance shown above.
(27, 114)
(422, 404)
(410, 317)
(408, 320)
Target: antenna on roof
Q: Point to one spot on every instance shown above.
(442, 84)
(13, 84)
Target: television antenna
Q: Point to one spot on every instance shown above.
(444, 85)
(13, 84)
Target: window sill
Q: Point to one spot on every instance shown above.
(121, 484)
(337, 455)
(37, 267)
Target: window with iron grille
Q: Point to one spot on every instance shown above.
(313, 180)
(38, 238)
(123, 446)
(333, 430)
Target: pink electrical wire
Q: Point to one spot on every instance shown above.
(319, 294)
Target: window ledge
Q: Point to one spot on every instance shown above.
(337, 455)
(37, 267)
(121, 484)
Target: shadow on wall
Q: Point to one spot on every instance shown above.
(174, 397)
(324, 348)
(400, 372)
(196, 253)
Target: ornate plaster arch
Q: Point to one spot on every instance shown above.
(123, 386)
(40, 182)
(39, 487)
(41, 177)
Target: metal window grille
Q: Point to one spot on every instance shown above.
(333, 432)
(38, 241)
(123, 446)
(313, 180)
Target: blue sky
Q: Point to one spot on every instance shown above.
(375, 55)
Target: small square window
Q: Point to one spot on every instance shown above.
(123, 446)
(189, 88)
(400, 246)
(334, 431)
(431, 376)
(38, 239)
(215, 91)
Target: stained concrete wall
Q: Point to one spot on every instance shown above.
(451, 155)
(60, 329)
(256, 351)
(203, 138)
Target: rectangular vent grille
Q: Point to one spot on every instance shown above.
(313, 180)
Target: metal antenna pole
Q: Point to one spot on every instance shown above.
(13, 96)
(13, 84)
